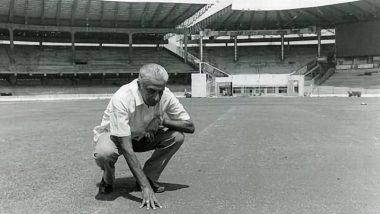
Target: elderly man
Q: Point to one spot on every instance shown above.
(141, 116)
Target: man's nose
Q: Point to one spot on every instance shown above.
(156, 97)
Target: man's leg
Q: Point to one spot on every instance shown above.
(166, 144)
(106, 155)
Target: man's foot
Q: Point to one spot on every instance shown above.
(156, 188)
(105, 188)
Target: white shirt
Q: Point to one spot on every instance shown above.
(128, 115)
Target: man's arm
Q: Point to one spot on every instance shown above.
(186, 126)
(177, 117)
(126, 148)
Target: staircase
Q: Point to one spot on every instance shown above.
(203, 67)
(316, 72)
(189, 58)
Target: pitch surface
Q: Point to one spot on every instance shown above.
(248, 155)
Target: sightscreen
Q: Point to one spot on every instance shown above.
(358, 39)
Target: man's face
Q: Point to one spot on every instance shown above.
(151, 91)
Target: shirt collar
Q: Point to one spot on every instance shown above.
(136, 93)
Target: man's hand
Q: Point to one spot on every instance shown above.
(149, 199)
(126, 148)
(152, 128)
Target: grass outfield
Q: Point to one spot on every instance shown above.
(248, 155)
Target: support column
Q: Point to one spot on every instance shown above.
(334, 59)
(319, 41)
(11, 41)
(130, 42)
(282, 47)
(73, 46)
(43, 79)
(235, 49)
(201, 45)
(185, 44)
(12, 79)
(200, 51)
(103, 78)
(73, 41)
(216, 89)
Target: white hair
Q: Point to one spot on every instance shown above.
(153, 72)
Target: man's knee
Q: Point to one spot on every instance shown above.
(105, 156)
(179, 138)
(171, 139)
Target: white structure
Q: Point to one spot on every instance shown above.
(258, 84)
(198, 85)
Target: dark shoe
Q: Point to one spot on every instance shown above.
(156, 188)
(105, 188)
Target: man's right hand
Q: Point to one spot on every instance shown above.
(126, 148)
(149, 199)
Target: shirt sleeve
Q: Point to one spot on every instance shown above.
(119, 118)
(175, 109)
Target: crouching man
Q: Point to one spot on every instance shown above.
(134, 122)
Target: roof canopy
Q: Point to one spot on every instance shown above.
(282, 4)
(327, 16)
(97, 13)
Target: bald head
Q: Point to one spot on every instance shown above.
(153, 73)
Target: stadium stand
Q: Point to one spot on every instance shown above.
(58, 60)
(261, 59)
(355, 78)
(133, 23)
(109, 57)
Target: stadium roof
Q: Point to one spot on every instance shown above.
(282, 4)
(97, 13)
(170, 1)
(326, 16)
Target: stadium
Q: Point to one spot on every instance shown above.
(283, 95)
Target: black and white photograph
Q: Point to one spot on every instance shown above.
(190, 106)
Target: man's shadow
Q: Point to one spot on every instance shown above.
(124, 186)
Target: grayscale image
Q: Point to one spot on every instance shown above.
(190, 106)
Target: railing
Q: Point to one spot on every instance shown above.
(311, 72)
(203, 66)
(316, 72)
(212, 70)
(304, 69)
(324, 75)
(181, 53)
